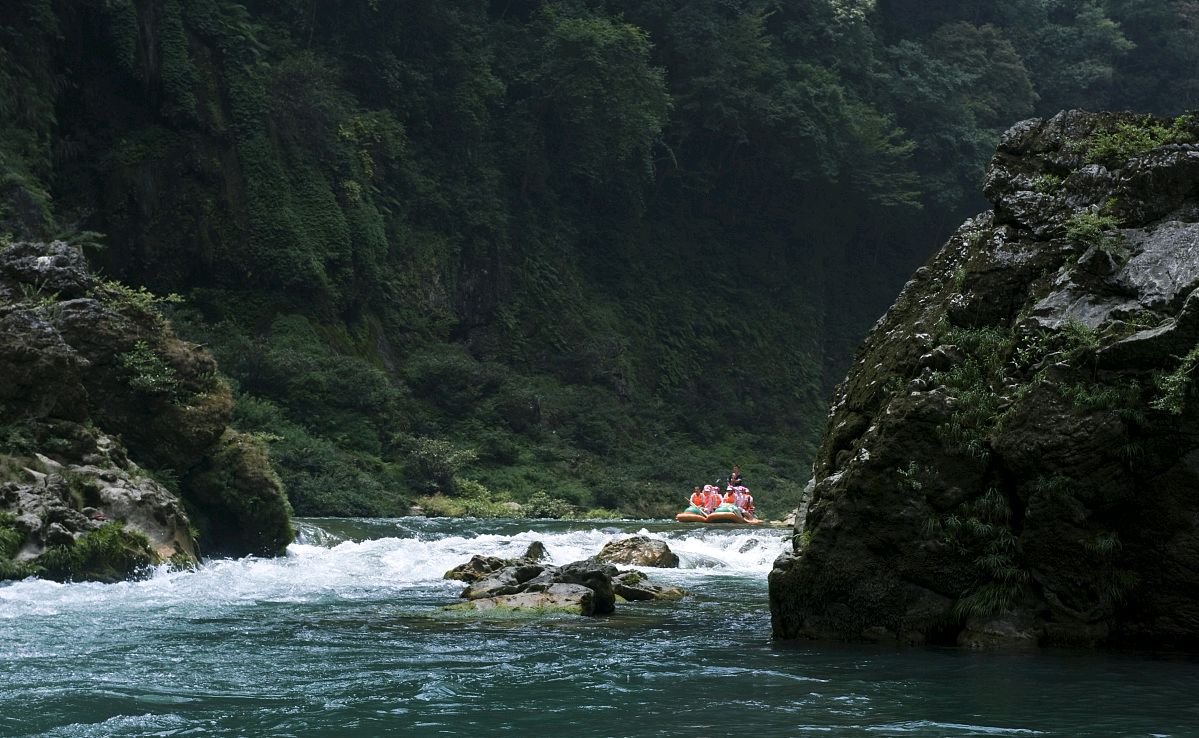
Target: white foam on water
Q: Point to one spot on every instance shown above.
(374, 568)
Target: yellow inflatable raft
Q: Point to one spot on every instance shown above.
(727, 513)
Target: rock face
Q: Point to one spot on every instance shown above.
(96, 392)
(639, 551)
(1014, 457)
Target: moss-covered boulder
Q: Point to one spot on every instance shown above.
(107, 417)
(239, 501)
(1012, 459)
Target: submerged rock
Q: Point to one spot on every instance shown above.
(479, 567)
(536, 552)
(573, 599)
(635, 586)
(1013, 458)
(639, 551)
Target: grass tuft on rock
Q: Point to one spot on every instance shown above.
(108, 554)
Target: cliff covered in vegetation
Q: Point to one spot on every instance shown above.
(562, 253)
(115, 451)
(1012, 457)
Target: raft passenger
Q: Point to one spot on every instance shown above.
(747, 505)
(735, 479)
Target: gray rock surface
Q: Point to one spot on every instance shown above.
(1011, 460)
(556, 598)
(639, 551)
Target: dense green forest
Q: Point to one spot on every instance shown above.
(561, 252)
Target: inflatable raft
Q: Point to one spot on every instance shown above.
(725, 514)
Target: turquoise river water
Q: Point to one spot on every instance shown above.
(346, 637)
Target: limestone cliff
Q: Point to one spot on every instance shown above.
(1014, 456)
(114, 445)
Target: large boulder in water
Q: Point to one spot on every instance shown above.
(1013, 458)
(639, 551)
(596, 577)
(497, 581)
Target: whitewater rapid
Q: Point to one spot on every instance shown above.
(324, 565)
(346, 637)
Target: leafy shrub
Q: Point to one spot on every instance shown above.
(10, 537)
(137, 302)
(148, 372)
(1177, 386)
(1095, 229)
(438, 462)
(1113, 148)
(543, 505)
(1046, 183)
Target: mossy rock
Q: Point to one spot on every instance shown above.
(109, 554)
(10, 543)
(237, 501)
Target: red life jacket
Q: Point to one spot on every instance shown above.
(728, 497)
(697, 499)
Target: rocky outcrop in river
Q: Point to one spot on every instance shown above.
(527, 584)
(115, 450)
(1014, 457)
(639, 551)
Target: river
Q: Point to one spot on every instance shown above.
(346, 637)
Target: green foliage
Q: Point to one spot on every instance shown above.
(609, 103)
(544, 505)
(974, 384)
(1123, 398)
(1095, 229)
(989, 599)
(1113, 148)
(1104, 545)
(1052, 487)
(1047, 183)
(148, 372)
(136, 302)
(108, 554)
(440, 462)
(981, 529)
(17, 438)
(10, 542)
(912, 477)
(1176, 387)
(1078, 339)
(10, 538)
